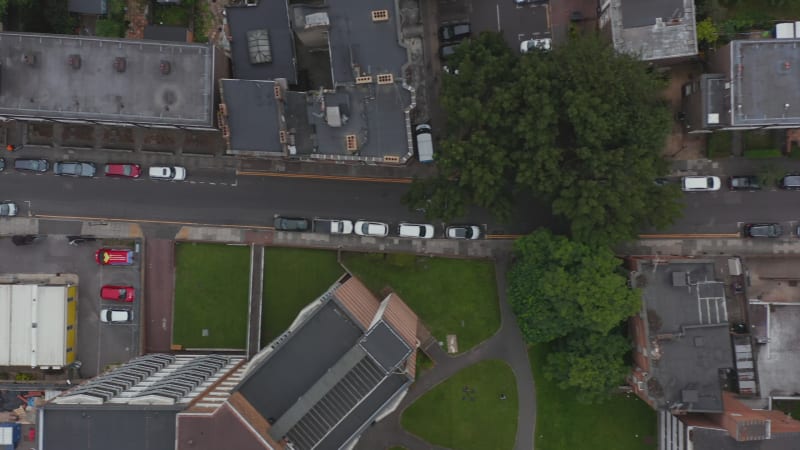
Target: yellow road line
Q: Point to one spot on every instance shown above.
(260, 173)
(503, 236)
(690, 236)
(159, 222)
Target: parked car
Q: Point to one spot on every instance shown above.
(75, 169)
(117, 293)
(291, 223)
(172, 173)
(32, 165)
(454, 32)
(415, 230)
(744, 183)
(114, 257)
(2, 164)
(447, 50)
(366, 228)
(333, 226)
(122, 170)
(790, 181)
(8, 209)
(115, 315)
(771, 230)
(463, 232)
(700, 183)
(530, 44)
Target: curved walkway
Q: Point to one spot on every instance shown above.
(507, 345)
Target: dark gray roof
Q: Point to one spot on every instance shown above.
(715, 102)
(686, 309)
(385, 346)
(165, 33)
(356, 40)
(84, 427)
(252, 115)
(273, 16)
(764, 82)
(709, 439)
(94, 88)
(99, 7)
(642, 13)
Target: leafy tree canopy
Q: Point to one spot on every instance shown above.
(591, 363)
(580, 126)
(557, 287)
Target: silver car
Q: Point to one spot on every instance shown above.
(8, 209)
(75, 169)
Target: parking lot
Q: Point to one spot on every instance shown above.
(98, 344)
(517, 23)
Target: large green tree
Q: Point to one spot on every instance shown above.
(557, 287)
(581, 126)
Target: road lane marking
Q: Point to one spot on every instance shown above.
(260, 173)
(158, 222)
(690, 236)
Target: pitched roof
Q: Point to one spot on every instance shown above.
(358, 300)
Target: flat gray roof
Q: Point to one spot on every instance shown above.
(252, 115)
(706, 438)
(686, 308)
(272, 15)
(98, 7)
(653, 30)
(644, 13)
(48, 87)
(385, 346)
(355, 39)
(778, 356)
(764, 79)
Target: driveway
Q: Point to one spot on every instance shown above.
(160, 288)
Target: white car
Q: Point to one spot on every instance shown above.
(463, 232)
(415, 230)
(366, 228)
(542, 44)
(341, 226)
(8, 209)
(114, 315)
(703, 183)
(172, 173)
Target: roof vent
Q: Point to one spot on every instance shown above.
(282, 136)
(119, 64)
(364, 79)
(381, 15)
(385, 78)
(277, 90)
(74, 61)
(391, 159)
(352, 142)
(29, 59)
(165, 67)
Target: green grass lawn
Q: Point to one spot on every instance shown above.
(477, 419)
(622, 422)
(211, 289)
(451, 296)
(791, 407)
(293, 278)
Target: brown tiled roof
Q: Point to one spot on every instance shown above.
(358, 300)
(227, 428)
(411, 365)
(402, 319)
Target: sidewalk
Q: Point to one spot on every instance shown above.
(734, 165)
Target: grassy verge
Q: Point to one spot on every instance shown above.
(466, 411)
(562, 423)
(293, 278)
(719, 144)
(762, 153)
(451, 296)
(211, 289)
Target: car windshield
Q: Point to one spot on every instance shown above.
(5, 209)
(126, 169)
(122, 292)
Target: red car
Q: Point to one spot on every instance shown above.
(114, 257)
(117, 293)
(122, 170)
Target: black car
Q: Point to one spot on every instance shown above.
(75, 169)
(744, 183)
(447, 51)
(454, 32)
(770, 230)
(32, 165)
(791, 181)
(291, 224)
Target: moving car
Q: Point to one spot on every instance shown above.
(771, 230)
(114, 257)
(122, 170)
(463, 232)
(115, 315)
(454, 32)
(700, 183)
(291, 223)
(790, 181)
(415, 230)
(75, 169)
(541, 44)
(117, 293)
(172, 173)
(32, 165)
(366, 228)
(744, 183)
(8, 209)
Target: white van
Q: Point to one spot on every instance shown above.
(694, 184)
(424, 143)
